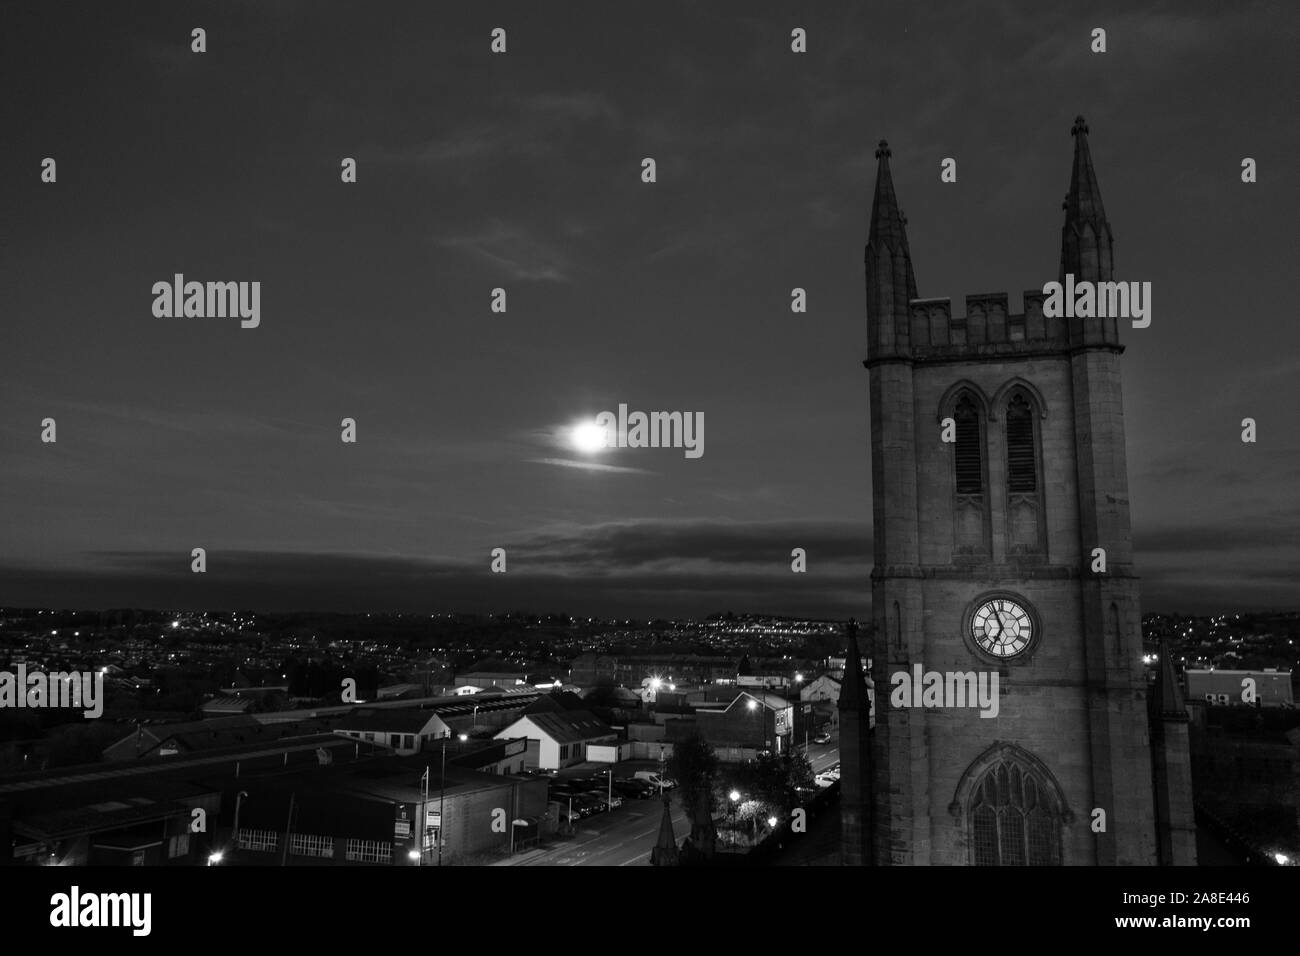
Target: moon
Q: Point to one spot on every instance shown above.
(588, 437)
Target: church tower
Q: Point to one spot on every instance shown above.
(1002, 551)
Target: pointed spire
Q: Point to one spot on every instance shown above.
(1167, 697)
(888, 224)
(1085, 238)
(891, 283)
(665, 850)
(853, 689)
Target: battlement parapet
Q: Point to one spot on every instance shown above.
(988, 322)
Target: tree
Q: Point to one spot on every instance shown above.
(694, 765)
(775, 780)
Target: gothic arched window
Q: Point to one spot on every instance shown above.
(1014, 818)
(1026, 526)
(968, 448)
(1022, 462)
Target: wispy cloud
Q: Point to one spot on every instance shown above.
(533, 125)
(590, 466)
(514, 251)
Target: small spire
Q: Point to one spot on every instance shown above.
(887, 220)
(665, 849)
(1085, 237)
(1084, 199)
(853, 689)
(1167, 700)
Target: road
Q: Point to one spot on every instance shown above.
(622, 837)
(822, 756)
(626, 835)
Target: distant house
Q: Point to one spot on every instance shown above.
(825, 687)
(395, 691)
(1272, 688)
(491, 756)
(561, 736)
(225, 706)
(564, 700)
(591, 670)
(824, 694)
(146, 737)
(750, 722)
(404, 730)
(149, 741)
(486, 679)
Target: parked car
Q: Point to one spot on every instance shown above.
(655, 778)
(822, 738)
(588, 803)
(635, 789)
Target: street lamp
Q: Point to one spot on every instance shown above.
(753, 706)
(803, 716)
(442, 789)
(238, 799)
(214, 858)
(735, 799)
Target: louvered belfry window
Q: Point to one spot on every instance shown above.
(1022, 469)
(970, 470)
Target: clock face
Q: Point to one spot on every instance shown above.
(1001, 627)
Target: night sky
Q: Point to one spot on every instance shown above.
(523, 171)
